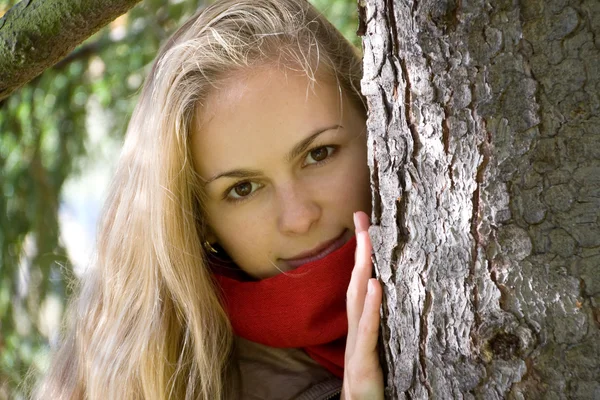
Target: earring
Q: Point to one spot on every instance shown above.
(208, 247)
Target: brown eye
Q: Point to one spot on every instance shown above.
(319, 154)
(243, 189)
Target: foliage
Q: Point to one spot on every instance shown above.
(343, 14)
(44, 142)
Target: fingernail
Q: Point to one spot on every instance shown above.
(355, 221)
(370, 286)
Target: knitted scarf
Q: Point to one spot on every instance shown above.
(304, 308)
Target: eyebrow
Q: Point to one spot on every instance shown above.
(298, 149)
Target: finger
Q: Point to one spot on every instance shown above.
(361, 273)
(357, 289)
(363, 268)
(361, 221)
(368, 327)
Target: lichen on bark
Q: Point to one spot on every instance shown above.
(36, 34)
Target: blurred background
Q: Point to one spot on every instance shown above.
(60, 137)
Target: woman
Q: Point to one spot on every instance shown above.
(227, 244)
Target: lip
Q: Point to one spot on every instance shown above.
(318, 252)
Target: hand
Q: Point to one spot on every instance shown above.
(363, 377)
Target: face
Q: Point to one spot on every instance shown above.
(284, 166)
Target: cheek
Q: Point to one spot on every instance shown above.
(231, 223)
(364, 184)
(250, 250)
(239, 230)
(362, 178)
(349, 185)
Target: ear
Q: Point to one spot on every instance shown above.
(210, 236)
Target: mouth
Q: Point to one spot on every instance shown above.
(318, 252)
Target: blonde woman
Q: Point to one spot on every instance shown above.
(233, 259)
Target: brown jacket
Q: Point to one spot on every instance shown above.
(268, 373)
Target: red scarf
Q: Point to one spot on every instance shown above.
(304, 308)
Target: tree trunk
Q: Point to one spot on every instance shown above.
(36, 34)
(484, 147)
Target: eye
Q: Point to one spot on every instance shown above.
(318, 155)
(242, 189)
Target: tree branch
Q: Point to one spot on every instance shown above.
(36, 34)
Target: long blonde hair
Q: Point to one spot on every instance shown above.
(147, 322)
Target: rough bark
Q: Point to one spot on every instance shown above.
(484, 147)
(36, 34)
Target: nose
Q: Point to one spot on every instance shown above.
(298, 210)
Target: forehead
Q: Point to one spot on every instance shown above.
(252, 116)
(265, 82)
